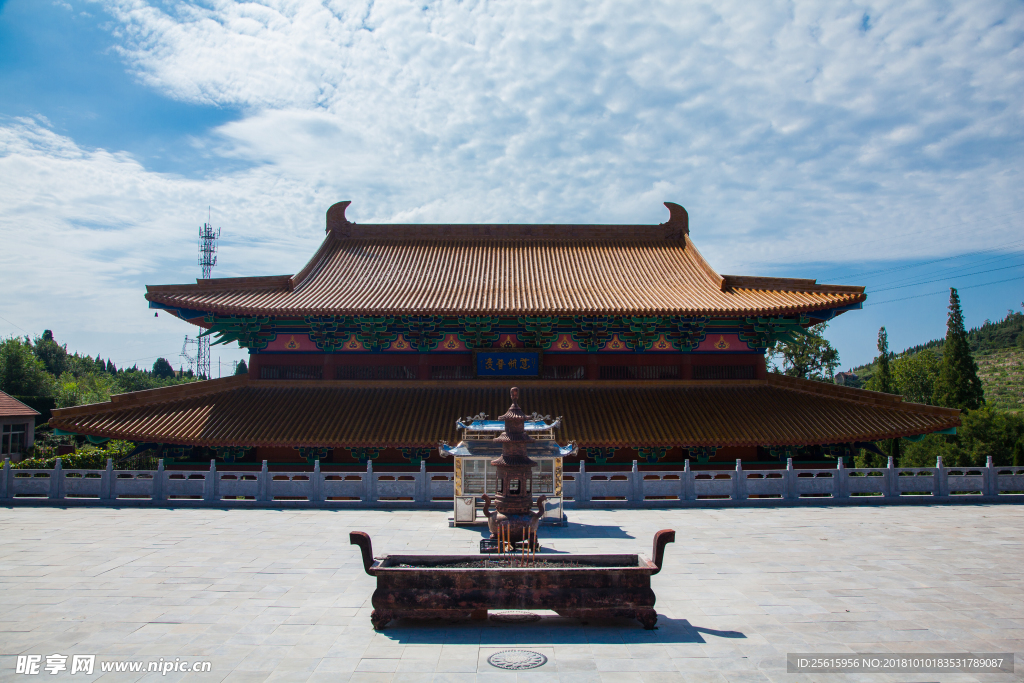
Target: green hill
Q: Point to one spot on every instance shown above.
(998, 347)
(1002, 375)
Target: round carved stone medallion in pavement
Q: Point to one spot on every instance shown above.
(517, 660)
(515, 617)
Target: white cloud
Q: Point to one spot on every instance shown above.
(790, 119)
(84, 232)
(791, 131)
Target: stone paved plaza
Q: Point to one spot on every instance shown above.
(269, 595)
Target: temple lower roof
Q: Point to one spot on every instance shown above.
(244, 412)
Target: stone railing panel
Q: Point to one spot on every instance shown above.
(570, 486)
(916, 480)
(661, 485)
(290, 486)
(27, 483)
(611, 485)
(866, 481)
(971, 481)
(343, 486)
(83, 484)
(766, 484)
(133, 484)
(816, 482)
(238, 485)
(395, 486)
(441, 486)
(711, 483)
(183, 484)
(1010, 479)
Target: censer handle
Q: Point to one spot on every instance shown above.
(362, 539)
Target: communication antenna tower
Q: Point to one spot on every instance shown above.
(208, 248)
(207, 260)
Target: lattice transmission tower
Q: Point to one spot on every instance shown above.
(207, 260)
(189, 358)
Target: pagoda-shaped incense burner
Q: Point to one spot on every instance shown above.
(514, 480)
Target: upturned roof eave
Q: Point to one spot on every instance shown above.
(157, 415)
(619, 443)
(688, 275)
(695, 311)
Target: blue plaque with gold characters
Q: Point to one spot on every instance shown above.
(508, 363)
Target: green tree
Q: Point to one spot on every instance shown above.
(53, 355)
(21, 373)
(881, 380)
(133, 379)
(241, 368)
(162, 369)
(957, 385)
(810, 356)
(914, 375)
(983, 432)
(76, 390)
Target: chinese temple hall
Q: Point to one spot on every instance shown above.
(394, 332)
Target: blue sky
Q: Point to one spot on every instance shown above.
(874, 143)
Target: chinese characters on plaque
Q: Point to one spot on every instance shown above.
(507, 363)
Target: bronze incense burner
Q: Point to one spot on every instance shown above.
(464, 586)
(511, 518)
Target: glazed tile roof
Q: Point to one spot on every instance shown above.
(506, 270)
(12, 407)
(238, 411)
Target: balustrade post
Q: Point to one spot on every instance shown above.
(636, 484)
(841, 488)
(792, 489)
(107, 487)
(210, 483)
(5, 485)
(990, 478)
(370, 488)
(421, 483)
(158, 481)
(688, 491)
(739, 482)
(941, 485)
(56, 479)
(263, 484)
(892, 480)
(316, 484)
(583, 485)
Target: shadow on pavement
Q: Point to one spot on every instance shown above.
(550, 629)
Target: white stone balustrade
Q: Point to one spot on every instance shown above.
(652, 489)
(635, 488)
